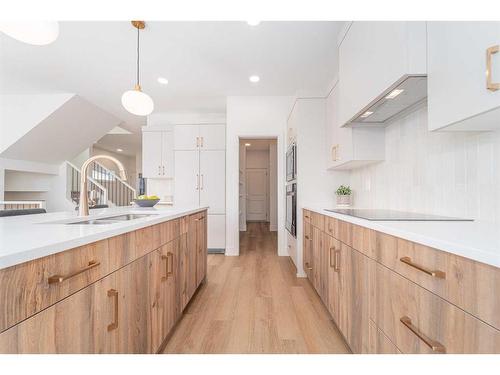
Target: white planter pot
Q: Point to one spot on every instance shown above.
(344, 200)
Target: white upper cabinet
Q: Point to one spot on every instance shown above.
(157, 154)
(186, 137)
(375, 56)
(458, 96)
(200, 137)
(213, 181)
(213, 137)
(349, 148)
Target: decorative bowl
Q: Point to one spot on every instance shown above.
(146, 202)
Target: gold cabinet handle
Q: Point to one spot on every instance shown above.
(307, 216)
(165, 258)
(200, 218)
(159, 170)
(170, 262)
(307, 237)
(201, 184)
(197, 182)
(197, 141)
(434, 273)
(202, 141)
(114, 293)
(492, 86)
(332, 258)
(433, 344)
(336, 268)
(57, 279)
(308, 267)
(163, 169)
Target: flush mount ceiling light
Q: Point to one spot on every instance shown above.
(248, 144)
(253, 22)
(254, 79)
(38, 33)
(162, 80)
(135, 101)
(119, 150)
(366, 114)
(394, 93)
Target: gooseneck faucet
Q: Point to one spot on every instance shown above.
(83, 209)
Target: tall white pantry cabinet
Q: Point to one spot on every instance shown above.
(200, 174)
(195, 158)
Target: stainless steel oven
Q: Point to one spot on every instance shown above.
(291, 209)
(291, 162)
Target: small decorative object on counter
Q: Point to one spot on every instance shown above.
(146, 201)
(344, 194)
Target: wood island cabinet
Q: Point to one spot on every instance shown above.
(129, 303)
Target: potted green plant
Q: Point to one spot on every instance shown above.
(344, 194)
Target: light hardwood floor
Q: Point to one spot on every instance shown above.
(254, 303)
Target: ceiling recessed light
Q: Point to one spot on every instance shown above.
(163, 81)
(254, 79)
(366, 114)
(394, 93)
(119, 150)
(253, 22)
(248, 144)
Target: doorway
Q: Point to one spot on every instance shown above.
(258, 183)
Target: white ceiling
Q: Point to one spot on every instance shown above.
(203, 61)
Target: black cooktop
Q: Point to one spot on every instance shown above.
(390, 215)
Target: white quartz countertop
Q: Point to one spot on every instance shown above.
(475, 240)
(24, 238)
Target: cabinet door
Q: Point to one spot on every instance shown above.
(185, 266)
(192, 244)
(213, 137)
(307, 255)
(122, 310)
(187, 178)
(456, 64)
(354, 298)
(167, 155)
(213, 181)
(316, 261)
(152, 154)
(186, 137)
(201, 245)
(332, 247)
(66, 327)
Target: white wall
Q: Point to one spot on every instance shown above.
(273, 187)
(253, 117)
(445, 173)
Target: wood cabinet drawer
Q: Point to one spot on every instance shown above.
(165, 232)
(418, 321)
(332, 226)
(471, 285)
(379, 343)
(318, 220)
(30, 287)
(359, 238)
(307, 216)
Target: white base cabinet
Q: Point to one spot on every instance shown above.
(216, 231)
(458, 97)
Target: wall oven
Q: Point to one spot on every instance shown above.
(291, 209)
(291, 162)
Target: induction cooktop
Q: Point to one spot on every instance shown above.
(391, 215)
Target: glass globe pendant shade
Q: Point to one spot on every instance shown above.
(137, 102)
(37, 33)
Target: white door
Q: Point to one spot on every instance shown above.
(167, 151)
(151, 154)
(213, 181)
(186, 137)
(213, 137)
(186, 178)
(256, 194)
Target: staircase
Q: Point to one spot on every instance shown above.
(105, 187)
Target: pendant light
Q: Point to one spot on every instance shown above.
(135, 101)
(37, 33)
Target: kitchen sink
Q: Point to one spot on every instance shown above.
(111, 219)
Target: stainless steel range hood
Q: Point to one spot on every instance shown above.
(399, 99)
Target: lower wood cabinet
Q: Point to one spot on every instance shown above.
(130, 310)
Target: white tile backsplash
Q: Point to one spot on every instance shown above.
(445, 173)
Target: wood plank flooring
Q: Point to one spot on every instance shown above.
(254, 303)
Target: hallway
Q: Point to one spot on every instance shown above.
(255, 304)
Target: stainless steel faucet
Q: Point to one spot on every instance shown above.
(84, 199)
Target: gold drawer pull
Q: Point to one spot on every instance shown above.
(307, 237)
(114, 293)
(434, 345)
(56, 279)
(332, 258)
(337, 261)
(307, 216)
(492, 86)
(434, 273)
(200, 218)
(308, 267)
(170, 262)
